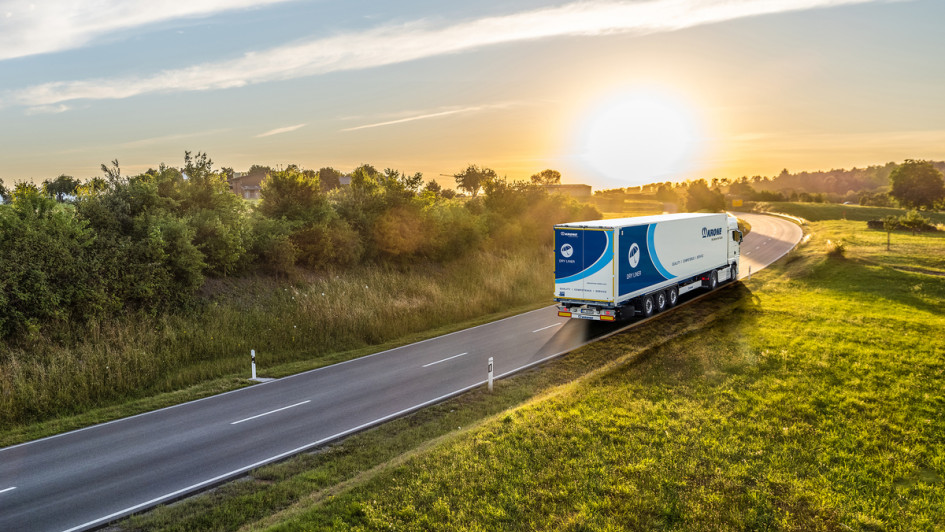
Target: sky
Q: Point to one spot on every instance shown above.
(610, 93)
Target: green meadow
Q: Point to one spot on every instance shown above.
(809, 398)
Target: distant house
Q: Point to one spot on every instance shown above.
(247, 186)
(575, 191)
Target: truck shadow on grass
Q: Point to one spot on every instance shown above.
(692, 309)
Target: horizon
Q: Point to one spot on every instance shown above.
(611, 94)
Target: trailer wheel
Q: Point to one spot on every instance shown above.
(647, 306)
(672, 296)
(713, 280)
(661, 302)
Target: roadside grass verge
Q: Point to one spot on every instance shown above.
(816, 406)
(816, 212)
(323, 474)
(811, 401)
(146, 363)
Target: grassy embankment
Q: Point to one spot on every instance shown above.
(816, 212)
(144, 363)
(810, 400)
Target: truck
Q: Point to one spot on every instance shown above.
(610, 270)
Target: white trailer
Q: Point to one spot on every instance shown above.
(615, 269)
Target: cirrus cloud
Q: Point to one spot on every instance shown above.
(393, 44)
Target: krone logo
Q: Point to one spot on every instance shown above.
(634, 255)
(567, 250)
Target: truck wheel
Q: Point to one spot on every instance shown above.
(661, 301)
(672, 296)
(734, 276)
(647, 306)
(713, 280)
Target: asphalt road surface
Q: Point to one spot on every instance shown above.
(87, 478)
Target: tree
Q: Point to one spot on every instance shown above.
(890, 223)
(914, 221)
(329, 178)
(699, 197)
(62, 186)
(917, 184)
(474, 178)
(112, 173)
(547, 177)
(4, 193)
(433, 187)
(292, 195)
(666, 194)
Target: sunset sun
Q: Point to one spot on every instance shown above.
(638, 137)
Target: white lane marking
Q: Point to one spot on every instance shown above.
(8, 489)
(377, 421)
(548, 327)
(218, 478)
(444, 360)
(749, 253)
(287, 377)
(271, 412)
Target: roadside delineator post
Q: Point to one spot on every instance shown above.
(490, 374)
(253, 354)
(749, 273)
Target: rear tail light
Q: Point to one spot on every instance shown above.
(564, 314)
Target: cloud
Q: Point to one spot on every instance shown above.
(32, 27)
(427, 115)
(48, 109)
(392, 44)
(280, 130)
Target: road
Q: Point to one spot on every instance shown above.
(87, 478)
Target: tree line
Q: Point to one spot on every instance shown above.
(146, 243)
(913, 184)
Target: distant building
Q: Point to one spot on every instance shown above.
(247, 186)
(575, 191)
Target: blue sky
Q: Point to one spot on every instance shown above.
(610, 93)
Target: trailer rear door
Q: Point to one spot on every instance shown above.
(584, 266)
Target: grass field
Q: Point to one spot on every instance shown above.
(809, 399)
(816, 212)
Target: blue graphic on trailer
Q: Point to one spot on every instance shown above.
(580, 253)
(638, 265)
(651, 246)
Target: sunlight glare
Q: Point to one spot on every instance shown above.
(640, 137)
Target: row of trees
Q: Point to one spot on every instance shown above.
(914, 184)
(147, 242)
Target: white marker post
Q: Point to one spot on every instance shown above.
(490, 374)
(253, 353)
(749, 273)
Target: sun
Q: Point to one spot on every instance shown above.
(639, 137)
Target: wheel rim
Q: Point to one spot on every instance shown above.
(673, 296)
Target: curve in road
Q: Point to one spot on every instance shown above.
(87, 478)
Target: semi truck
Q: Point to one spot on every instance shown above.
(610, 270)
